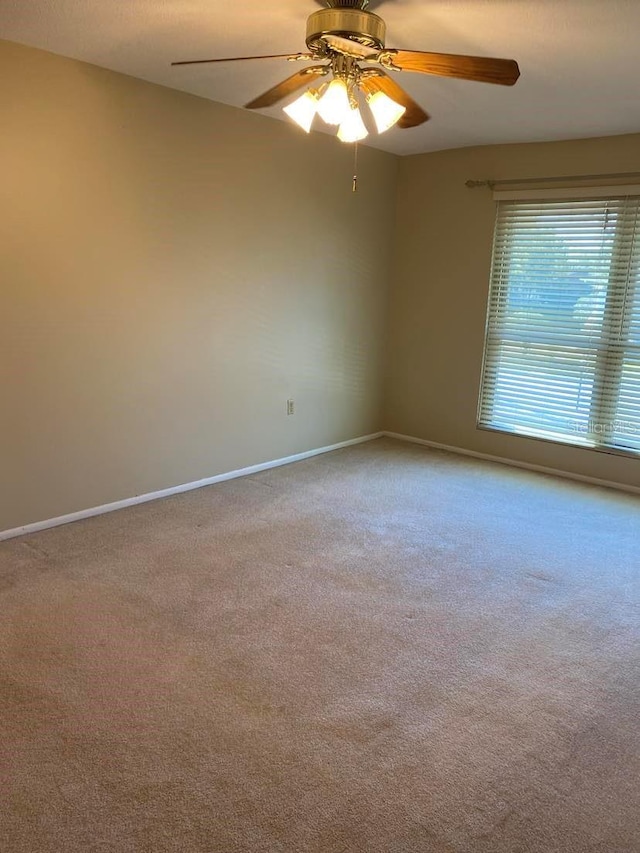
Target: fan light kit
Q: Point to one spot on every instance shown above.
(349, 41)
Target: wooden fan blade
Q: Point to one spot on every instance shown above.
(287, 87)
(381, 82)
(242, 58)
(504, 72)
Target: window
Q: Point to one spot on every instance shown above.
(562, 350)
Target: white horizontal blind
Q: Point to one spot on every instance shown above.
(562, 352)
(626, 397)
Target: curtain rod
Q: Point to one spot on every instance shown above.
(557, 178)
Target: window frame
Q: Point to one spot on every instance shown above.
(602, 376)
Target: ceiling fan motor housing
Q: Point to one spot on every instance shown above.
(355, 24)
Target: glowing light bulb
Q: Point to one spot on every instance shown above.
(334, 105)
(352, 128)
(303, 110)
(385, 111)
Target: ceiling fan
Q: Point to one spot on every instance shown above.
(349, 43)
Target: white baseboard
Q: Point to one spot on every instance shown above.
(37, 526)
(541, 469)
(46, 524)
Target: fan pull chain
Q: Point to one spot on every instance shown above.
(354, 185)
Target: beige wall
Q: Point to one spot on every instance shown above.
(440, 288)
(171, 271)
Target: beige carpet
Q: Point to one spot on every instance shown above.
(384, 649)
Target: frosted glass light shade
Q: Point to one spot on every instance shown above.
(352, 128)
(303, 110)
(385, 111)
(334, 106)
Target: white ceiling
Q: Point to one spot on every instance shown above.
(579, 59)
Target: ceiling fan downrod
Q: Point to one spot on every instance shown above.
(348, 4)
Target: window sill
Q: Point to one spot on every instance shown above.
(563, 441)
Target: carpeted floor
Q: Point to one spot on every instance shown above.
(383, 649)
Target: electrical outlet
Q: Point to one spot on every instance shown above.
(290, 407)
